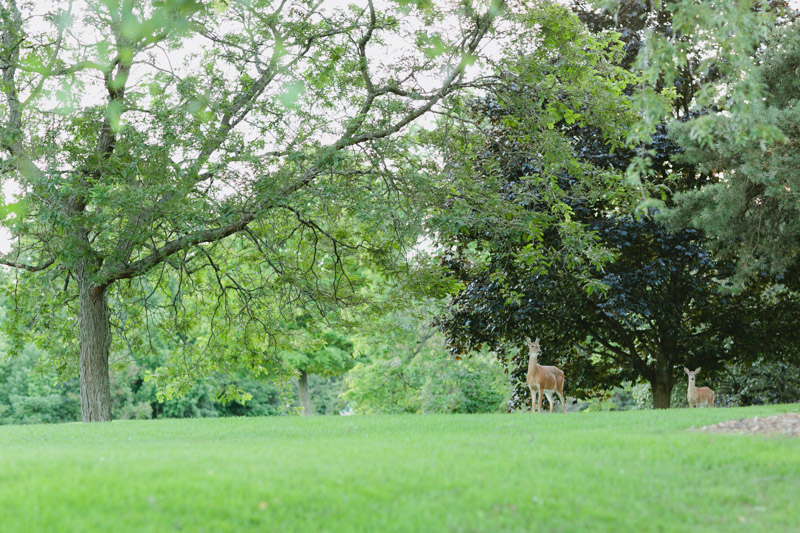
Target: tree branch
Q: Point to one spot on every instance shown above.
(243, 104)
(160, 254)
(23, 266)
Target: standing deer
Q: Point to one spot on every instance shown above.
(698, 396)
(544, 379)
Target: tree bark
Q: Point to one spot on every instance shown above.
(305, 398)
(95, 341)
(662, 391)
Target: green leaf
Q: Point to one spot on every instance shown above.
(114, 114)
(292, 91)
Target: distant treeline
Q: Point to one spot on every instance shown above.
(31, 395)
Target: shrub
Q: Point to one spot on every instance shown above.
(759, 383)
(428, 383)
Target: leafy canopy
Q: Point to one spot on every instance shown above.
(214, 169)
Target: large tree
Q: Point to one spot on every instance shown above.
(145, 136)
(661, 309)
(514, 145)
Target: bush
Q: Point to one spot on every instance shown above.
(43, 409)
(428, 383)
(473, 385)
(384, 386)
(635, 396)
(326, 394)
(759, 383)
(642, 396)
(29, 395)
(267, 400)
(137, 411)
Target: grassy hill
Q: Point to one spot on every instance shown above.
(613, 471)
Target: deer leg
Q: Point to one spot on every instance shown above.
(533, 400)
(560, 391)
(549, 400)
(539, 400)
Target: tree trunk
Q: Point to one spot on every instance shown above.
(662, 391)
(305, 398)
(661, 380)
(95, 334)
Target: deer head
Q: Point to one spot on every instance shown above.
(691, 374)
(533, 346)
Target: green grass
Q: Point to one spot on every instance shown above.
(628, 471)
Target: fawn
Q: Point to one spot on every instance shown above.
(698, 396)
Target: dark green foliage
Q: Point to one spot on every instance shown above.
(765, 381)
(661, 303)
(660, 309)
(548, 274)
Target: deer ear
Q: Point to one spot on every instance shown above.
(537, 340)
(528, 340)
(698, 370)
(686, 370)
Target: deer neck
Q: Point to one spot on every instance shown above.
(532, 363)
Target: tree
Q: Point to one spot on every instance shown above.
(661, 309)
(406, 368)
(320, 351)
(544, 270)
(730, 67)
(515, 145)
(749, 209)
(29, 396)
(140, 156)
(703, 53)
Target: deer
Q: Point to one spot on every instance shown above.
(698, 396)
(544, 379)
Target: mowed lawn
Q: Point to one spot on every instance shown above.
(618, 471)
